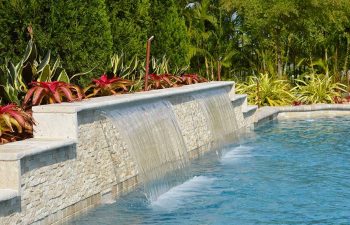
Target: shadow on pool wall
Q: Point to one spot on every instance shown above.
(87, 153)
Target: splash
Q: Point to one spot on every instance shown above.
(178, 195)
(236, 153)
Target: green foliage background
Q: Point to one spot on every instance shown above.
(169, 30)
(130, 21)
(247, 37)
(78, 31)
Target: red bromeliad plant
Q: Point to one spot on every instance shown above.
(51, 92)
(107, 86)
(296, 103)
(15, 124)
(338, 100)
(341, 100)
(163, 81)
(158, 81)
(187, 79)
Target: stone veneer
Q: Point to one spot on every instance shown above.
(55, 183)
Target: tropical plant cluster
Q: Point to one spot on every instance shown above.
(269, 90)
(36, 80)
(237, 37)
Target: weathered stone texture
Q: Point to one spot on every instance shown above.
(193, 124)
(9, 177)
(54, 181)
(241, 122)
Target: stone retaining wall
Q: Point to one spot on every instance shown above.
(57, 183)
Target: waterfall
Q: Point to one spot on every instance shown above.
(155, 142)
(220, 115)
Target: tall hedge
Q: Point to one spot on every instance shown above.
(130, 22)
(170, 32)
(78, 31)
(86, 33)
(15, 17)
(81, 34)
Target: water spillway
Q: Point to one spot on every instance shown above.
(154, 140)
(220, 116)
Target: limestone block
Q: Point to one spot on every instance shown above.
(9, 175)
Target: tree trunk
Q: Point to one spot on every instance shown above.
(326, 61)
(311, 63)
(335, 69)
(212, 70)
(286, 64)
(294, 67)
(287, 54)
(264, 64)
(345, 67)
(279, 55)
(206, 67)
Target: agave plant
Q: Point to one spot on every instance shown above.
(107, 86)
(51, 92)
(178, 71)
(15, 124)
(265, 90)
(39, 69)
(15, 78)
(160, 66)
(192, 79)
(124, 69)
(11, 83)
(318, 88)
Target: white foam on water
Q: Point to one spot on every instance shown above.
(177, 196)
(236, 153)
(310, 120)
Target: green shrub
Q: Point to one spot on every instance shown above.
(266, 90)
(81, 34)
(15, 17)
(318, 88)
(77, 31)
(170, 32)
(133, 22)
(130, 22)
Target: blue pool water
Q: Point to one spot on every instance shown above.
(290, 172)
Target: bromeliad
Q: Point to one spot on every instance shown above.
(192, 79)
(163, 81)
(51, 92)
(15, 124)
(107, 86)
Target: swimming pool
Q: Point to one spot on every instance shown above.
(286, 172)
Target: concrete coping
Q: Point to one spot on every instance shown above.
(20, 149)
(238, 96)
(7, 194)
(99, 102)
(250, 108)
(268, 111)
